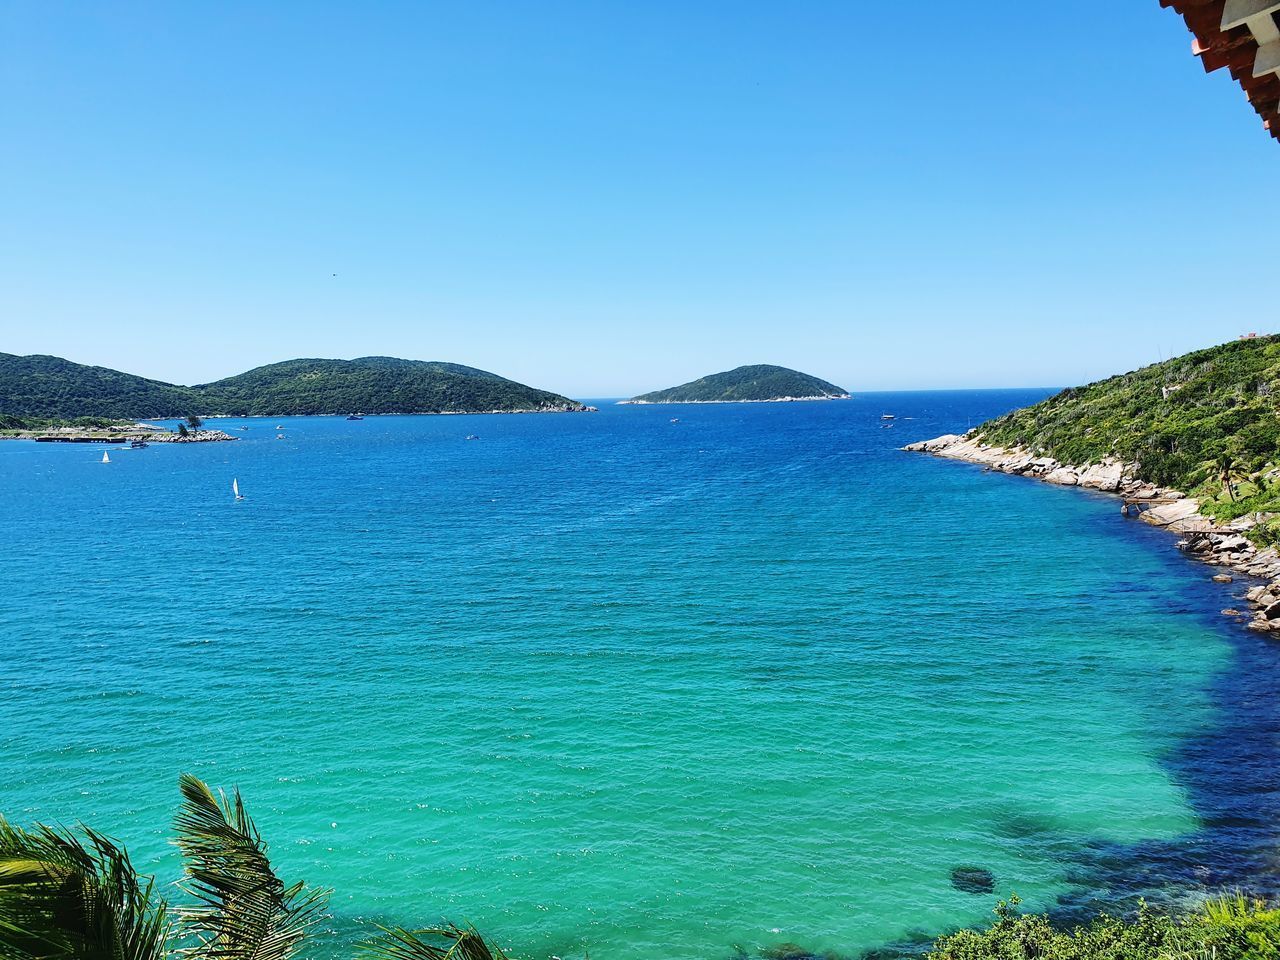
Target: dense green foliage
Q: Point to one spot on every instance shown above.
(759, 382)
(373, 385)
(52, 388)
(39, 386)
(1207, 423)
(75, 895)
(1232, 928)
(8, 423)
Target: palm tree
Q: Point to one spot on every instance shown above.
(74, 895)
(68, 896)
(451, 943)
(242, 909)
(1228, 470)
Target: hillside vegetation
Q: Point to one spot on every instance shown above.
(40, 388)
(760, 382)
(1207, 423)
(374, 385)
(55, 389)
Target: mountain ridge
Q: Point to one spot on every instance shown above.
(47, 387)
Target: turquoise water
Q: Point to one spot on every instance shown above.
(607, 683)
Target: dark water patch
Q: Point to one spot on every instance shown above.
(973, 880)
(1230, 771)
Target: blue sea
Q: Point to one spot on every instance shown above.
(611, 684)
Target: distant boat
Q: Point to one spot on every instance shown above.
(244, 428)
(279, 436)
(887, 416)
(279, 426)
(472, 436)
(137, 444)
(355, 416)
(235, 488)
(105, 457)
(675, 419)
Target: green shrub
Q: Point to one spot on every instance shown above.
(1230, 928)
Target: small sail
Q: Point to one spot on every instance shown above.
(105, 458)
(235, 488)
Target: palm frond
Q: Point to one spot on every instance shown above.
(243, 910)
(64, 895)
(449, 943)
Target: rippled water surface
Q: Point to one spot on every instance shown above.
(649, 689)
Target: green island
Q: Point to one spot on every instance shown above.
(74, 894)
(761, 383)
(40, 391)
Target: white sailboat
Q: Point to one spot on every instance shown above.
(105, 457)
(235, 488)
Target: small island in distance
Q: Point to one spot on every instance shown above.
(38, 391)
(759, 383)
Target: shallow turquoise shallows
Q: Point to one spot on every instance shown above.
(611, 683)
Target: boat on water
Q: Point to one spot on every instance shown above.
(279, 436)
(244, 428)
(472, 436)
(355, 416)
(137, 444)
(675, 419)
(887, 416)
(235, 488)
(279, 426)
(106, 458)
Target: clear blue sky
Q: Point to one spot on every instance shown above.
(606, 197)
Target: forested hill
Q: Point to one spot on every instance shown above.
(1188, 423)
(761, 382)
(50, 387)
(376, 385)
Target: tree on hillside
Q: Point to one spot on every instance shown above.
(195, 423)
(1228, 472)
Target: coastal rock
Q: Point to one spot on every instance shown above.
(198, 436)
(1182, 516)
(1223, 578)
(1106, 476)
(1064, 476)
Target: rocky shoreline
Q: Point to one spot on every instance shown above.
(147, 432)
(196, 436)
(1222, 545)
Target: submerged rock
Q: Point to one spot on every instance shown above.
(973, 879)
(787, 951)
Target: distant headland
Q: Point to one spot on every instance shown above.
(761, 383)
(36, 391)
